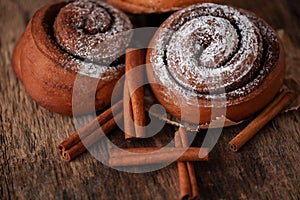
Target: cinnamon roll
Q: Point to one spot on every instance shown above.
(153, 6)
(209, 51)
(67, 41)
(152, 13)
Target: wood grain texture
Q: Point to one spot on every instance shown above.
(268, 167)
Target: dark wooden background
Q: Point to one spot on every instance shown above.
(30, 168)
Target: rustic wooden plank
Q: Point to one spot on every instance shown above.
(30, 168)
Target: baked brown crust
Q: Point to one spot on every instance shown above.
(153, 6)
(203, 87)
(46, 59)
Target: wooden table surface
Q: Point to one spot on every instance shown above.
(30, 168)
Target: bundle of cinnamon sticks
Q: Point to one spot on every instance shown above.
(88, 135)
(134, 107)
(186, 171)
(131, 110)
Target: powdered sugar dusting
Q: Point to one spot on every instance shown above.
(93, 34)
(207, 48)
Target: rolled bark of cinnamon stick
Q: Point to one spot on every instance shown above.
(184, 179)
(90, 127)
(70, 154)
(190, 166)
(136, 58)
(129, 129)
(115, 153)
(193, 180)
(261, 120)
(147, 156)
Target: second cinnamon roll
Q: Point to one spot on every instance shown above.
(209, 51)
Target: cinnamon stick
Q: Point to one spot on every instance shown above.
(261, 120)
(90, 127)
(129, 129)
(136, 58)
(193, 180)
(146, 156)
(115, 153)
(184, 179)
(190, 166)
(71, 153)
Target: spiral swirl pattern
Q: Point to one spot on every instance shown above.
(88, 37)
(208, 49)
(83, 28)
